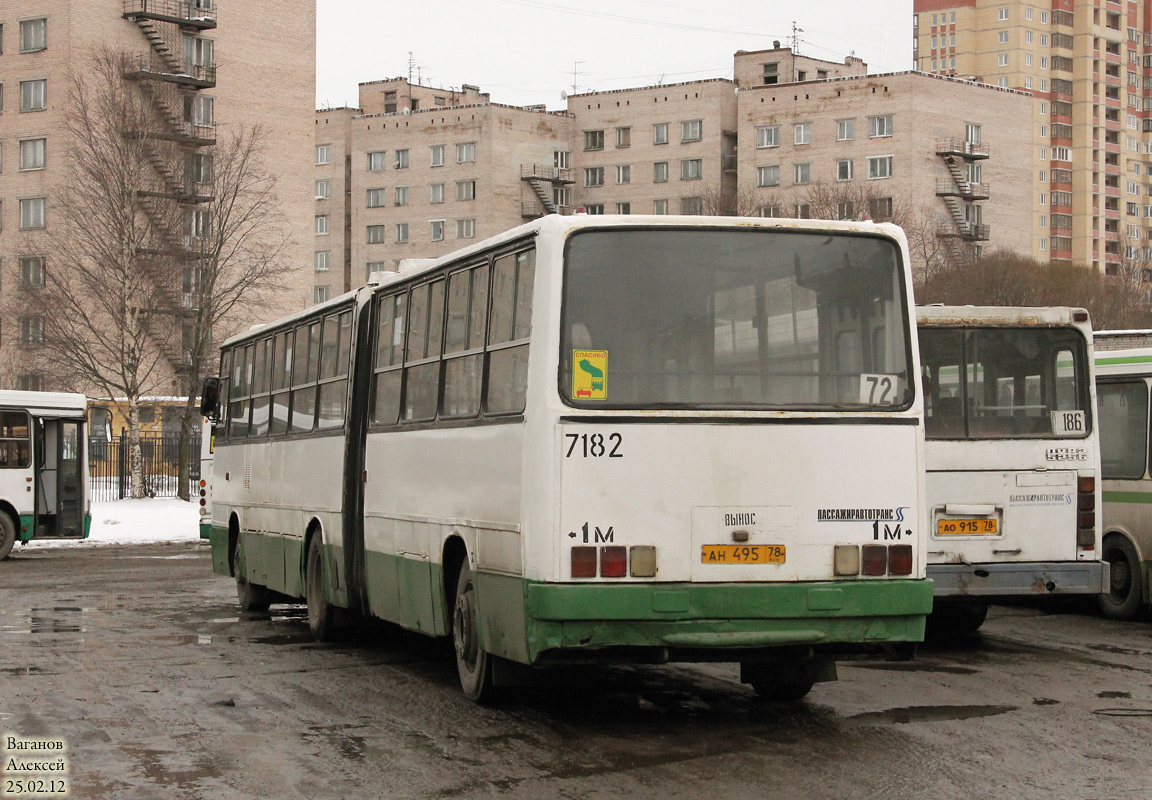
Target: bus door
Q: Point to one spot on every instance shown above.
(59, 477)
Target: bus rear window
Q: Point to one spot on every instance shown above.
(744, 319)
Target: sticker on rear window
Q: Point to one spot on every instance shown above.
(589, 374)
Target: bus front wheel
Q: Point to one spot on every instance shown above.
(472, 662)
(321, 613)
(250, 596)
(1125, 586)
(7, 535)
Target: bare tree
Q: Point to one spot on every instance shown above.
(240, 247)
(716, 202)
(99, 314)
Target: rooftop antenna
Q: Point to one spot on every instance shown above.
(575, 65)
(796, 38)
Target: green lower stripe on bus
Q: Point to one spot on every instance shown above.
(1127, 497)
(27, 521)
(1106, 360)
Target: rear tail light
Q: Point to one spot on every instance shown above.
(203, 483)
(900, 559)
(583, 562)
(1086, 513)
(847, 559)
(643, 558)
(613, 561)
(875, 559)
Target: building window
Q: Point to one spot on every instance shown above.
(1002, 83)
(32, 272)
(691, 169)
(33, 213)
(320, 294)
(803, 133)
(880, 208)
(466, 153)
(593, 176)
(30, 382)
(31, 331)
(377, 198)
(879, 126)
(562, 159)
(624, 174)
(401, 195)
(401, 232)
(436, 193)
(323, 190)
(377, 234)
(771, 73)
(845, 130)
(802, 173)
(768, 136)
(32, 153)
(1002, 37)
(844, 169)
(623, 208)
(1043, 17)
(33, 35)
(692, 205)
(1028, 34)
(802, 211)
(1002, 14)
(593, 140)
(377, 160)
(437, 230)
(401, 159)
(34, 95)
(623, 137)
(768, 176)
(1028, 83)
(466, 190)
(691, 131)
(562, 196)
(659, 206)
(323, 153)
(879, 167)
(660, 172)
(594, 208)
(437, 155)
(1027, 59)
(660, 133)
(465, 228)
(1002, 60)
(321, 224)
(321, 260)
(203, 110)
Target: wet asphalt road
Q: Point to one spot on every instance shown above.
(138, 657)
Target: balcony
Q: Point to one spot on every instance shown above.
(961, 147)
(966, 189)
(545, 173)
(531, 209)
(968, 231)
(193, 14)
(144, 67)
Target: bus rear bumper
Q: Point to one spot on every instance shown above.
(1016, 579)
(704, 622)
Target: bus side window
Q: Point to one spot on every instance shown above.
(334, 370)
(14, 441)
(513, 277)
(422, 361)
(464, 343)
(281, 381)
(389, 359)
(260, 398)
(238, 406)
(1123, 411)
(305, 362)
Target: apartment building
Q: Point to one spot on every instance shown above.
(416, 171)
(1088, 65)
(207, 67)
(949, 159)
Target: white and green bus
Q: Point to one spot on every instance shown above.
(43, 467)
(1123, 378)
(1013, 457)
(594, 437)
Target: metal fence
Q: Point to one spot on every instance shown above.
(110, 467)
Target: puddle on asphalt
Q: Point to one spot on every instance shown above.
(1124, 712)
(915, 666)
(1120, 651)
(1114, 695)
(17, 672)
(1044, 701)
(903, 716)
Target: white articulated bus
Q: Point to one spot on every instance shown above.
(1013, 460)
(1123, 378)
(43, 467)
(647, 438)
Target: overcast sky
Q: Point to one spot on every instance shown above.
(525, 51)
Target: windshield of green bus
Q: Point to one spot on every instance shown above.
(1015, 383)
(734, 319)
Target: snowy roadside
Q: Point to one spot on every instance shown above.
(135, 522)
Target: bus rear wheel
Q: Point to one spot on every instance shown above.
(472, 662)
(1125, 584)
(7, 535)
(250, 596)
(321, 613)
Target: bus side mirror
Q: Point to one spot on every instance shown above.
(210, 399)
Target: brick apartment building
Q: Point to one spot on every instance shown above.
(1089, 66)
(207, 65)
(416, 172)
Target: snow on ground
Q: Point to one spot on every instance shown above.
(136, 522)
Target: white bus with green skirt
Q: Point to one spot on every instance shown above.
(44, 490)
(595, 438)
